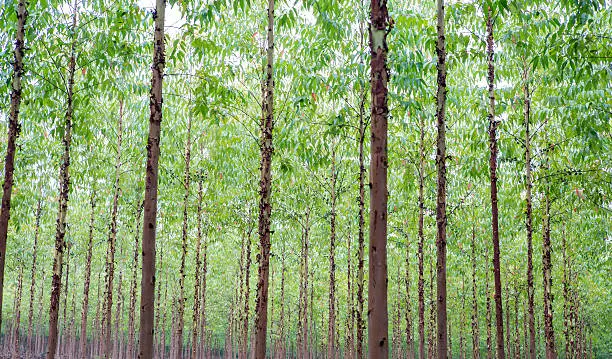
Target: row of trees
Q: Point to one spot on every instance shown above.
(290, 91)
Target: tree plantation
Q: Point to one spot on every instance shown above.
(306, 179)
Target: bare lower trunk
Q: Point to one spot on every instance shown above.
(488, 313)
(16, 354)
(64, 189)
(13, 132)
(493, 174)
(112, 239)
(265, 207)
(441, 188)
(421, 280)
(475, 330)
(549, 333)
(131, 351)
(378, 341)
(84, 312)
(331, 324)
(147, 292)
(33, 283)
(408, 304)
(198, 268)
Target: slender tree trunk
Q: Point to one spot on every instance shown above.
(408, 303)
(198, 268)
(63, 334)
(488, 304)
(203, 326)
(508, 347)
(431, 338)
(517, 335)
(378, 341)
(147, 292)
(15, 342)
(331, 324)
(421, 280)
(350, 312)
(493, 171)
(247, 291)
(112, 239)
(450, 343)
(116, 345)
(131, 351)
(304, 344)
(64, 189)
(441, 193)
(33, 283)
(84, 312)
(97, 321)
(361, 235)
(265, 207)
(13, 132)
(475, 330)
(529, 217)
(549, 334)
(181, 299)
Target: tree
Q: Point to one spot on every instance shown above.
(147, 292)
(378, 343)
(13, 133)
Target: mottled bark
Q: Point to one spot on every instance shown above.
(265, 186)
(33, 282)
(198, 268)
(17, 310)
(131, 350)
(475, 329)
(441, 188)
(112, 239)
(147, 291)
(493, 174)
(86, 285)
(64, 189)
(181, 299)
(529, 217)
(421, 243)
(549, 334)
(14, 129)
(378, 341)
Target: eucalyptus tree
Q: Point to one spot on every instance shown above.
(147, 293)
(13, 133)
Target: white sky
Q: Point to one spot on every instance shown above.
(173, 19)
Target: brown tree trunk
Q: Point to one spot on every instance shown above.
(475, 330)
(493, 171)
(431, 338)
(33, 283)
(331, 324)
(549, 333)
(147, 292)
(488, 301)
(131, 351)
(112, 239)
(350, 307)
(378, 341)
(421, 280)
(441, 190)
(204, 344)
(181, 299)
(517, 335)
(303, 343)
(508, 347)
(158, 312)
(408, 303)
(529, 217)
(265, 207)
(117, 345)
(13, 133)
(15, 342)
(64, 189)
(97, 321)
(361, 235)
(84, 312)
(198, 268)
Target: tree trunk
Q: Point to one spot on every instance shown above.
(13, 133)
(303, 343)
(409, 341)
(265, 207)
(16, 354)
(431, 338)
(331, 324)
(421, 280)
(488, 301)
(203, 324)
(361, 235)
(64, 189)
(147, 292)
(441, 191)
(84, 312)
(33, 283)
(181, 299)
(475, 330)
(493, 171)
(378, 341)
(112, 239)
(350, 307)
(117, 347)
(517, 335)
(131, 351)
(529, 217)
(508, 347)
(549, 333)
(198, 268)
